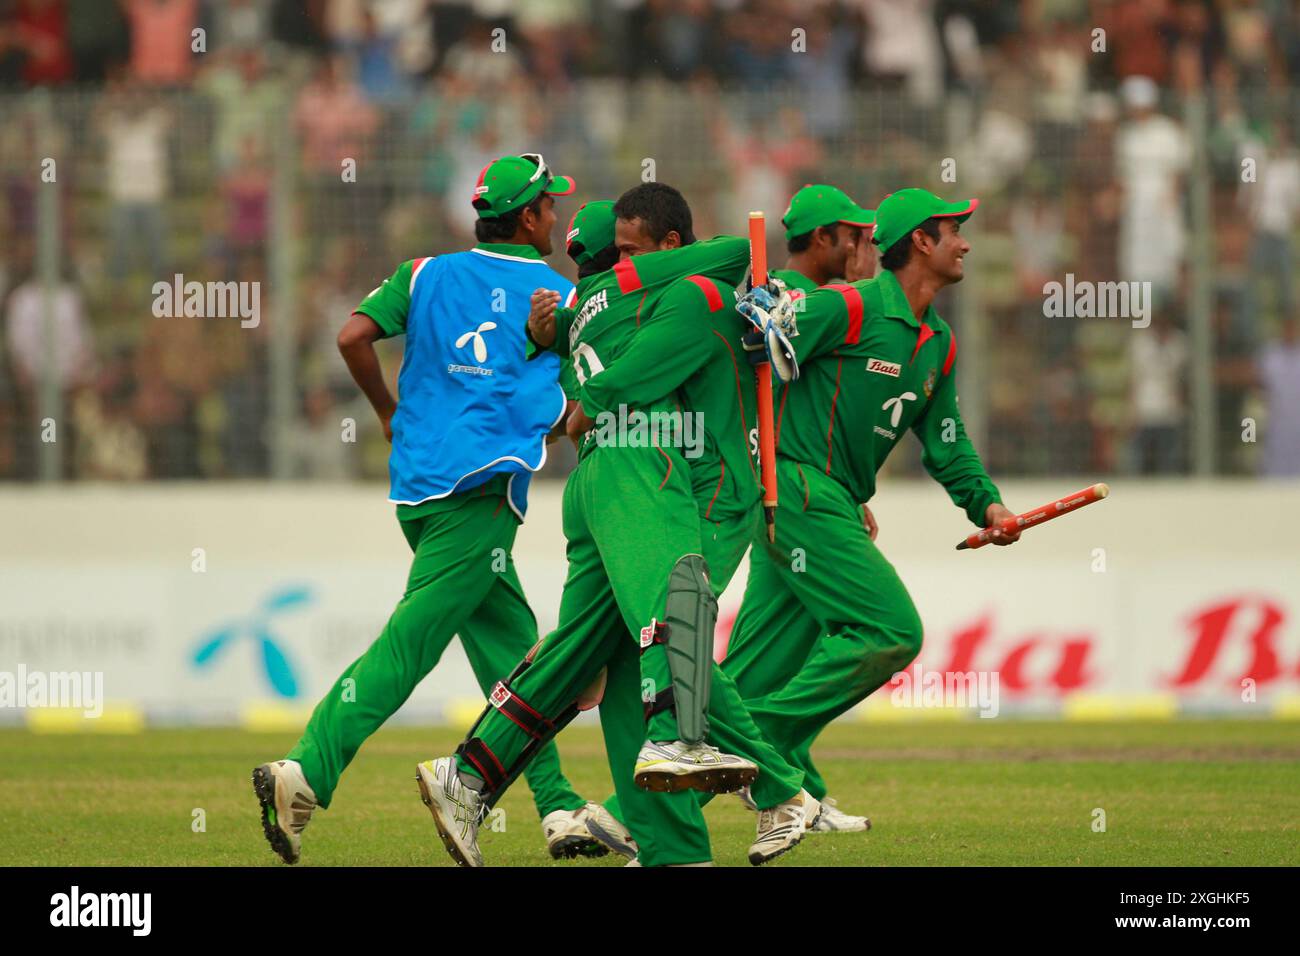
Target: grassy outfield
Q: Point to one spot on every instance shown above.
(974, 792)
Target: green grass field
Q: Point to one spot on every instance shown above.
(970, 793)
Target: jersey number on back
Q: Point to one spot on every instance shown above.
(585, 351)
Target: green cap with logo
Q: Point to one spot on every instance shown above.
(901, 212)
(591, 230)
(820, 205)
(512, 182)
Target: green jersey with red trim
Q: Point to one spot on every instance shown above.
(658, 333)
(687, 358)
(868, 372)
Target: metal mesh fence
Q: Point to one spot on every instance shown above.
(305, 194)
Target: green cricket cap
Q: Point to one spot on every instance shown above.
(820, 205)
(512, 182)
(591, 230)
(901, 212)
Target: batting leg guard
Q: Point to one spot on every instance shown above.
(497, 778)
(690, 616)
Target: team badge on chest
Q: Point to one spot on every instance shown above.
(929, 382)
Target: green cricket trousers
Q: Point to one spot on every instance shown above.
(825, 619)
(462, 581)
(629, 515)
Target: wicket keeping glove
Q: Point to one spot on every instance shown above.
(770, 317)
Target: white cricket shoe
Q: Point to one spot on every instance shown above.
(457, 810)
(780, 828)
(603, 825)
(669, 767)
(835, 820)
(287, 802)
(567, 833)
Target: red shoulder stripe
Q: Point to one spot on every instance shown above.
(923, 335)
(416, 268)
(853, 302)
(628, 280)
(952, 353)
(710, 291)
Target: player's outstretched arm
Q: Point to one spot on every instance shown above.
(725, 258)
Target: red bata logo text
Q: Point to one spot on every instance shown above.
(1231, 640)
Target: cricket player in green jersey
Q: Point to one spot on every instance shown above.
(637, 560)
(826, 619)
(828, 238)
(467, 435)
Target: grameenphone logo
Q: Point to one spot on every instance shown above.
(257, 630)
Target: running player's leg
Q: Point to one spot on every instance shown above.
(669, 828)
(449, 577)
(732, 728)
(643, 522)
(529, 704)
(496, 637)
(870, 627)
(567, 660)
(773, 633)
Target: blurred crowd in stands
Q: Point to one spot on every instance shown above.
(313, 145)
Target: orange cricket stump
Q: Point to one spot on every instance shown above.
(1038, 515)
(763, 373)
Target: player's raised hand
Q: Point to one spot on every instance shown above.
(992, 516)
(541, 316)
(861, 262)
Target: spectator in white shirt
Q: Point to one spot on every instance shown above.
(1152, 153)
(135, 128)
(1158, 367)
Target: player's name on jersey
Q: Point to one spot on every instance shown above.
(208, 300)
(630, 428)
(1098, 300)
(589, 308)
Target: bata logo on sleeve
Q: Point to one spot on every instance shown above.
(881, 367)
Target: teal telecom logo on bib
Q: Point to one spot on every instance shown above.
(256, 630)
